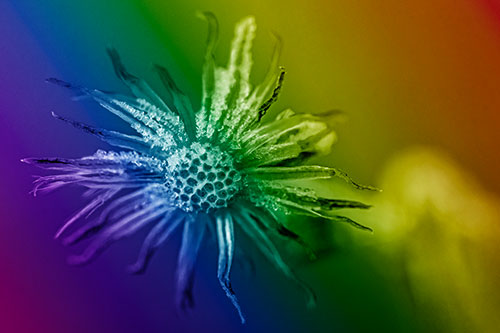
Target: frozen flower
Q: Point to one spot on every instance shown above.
(220, 169)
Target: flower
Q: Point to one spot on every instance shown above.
(221, 169)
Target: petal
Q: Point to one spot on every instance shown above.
(299, 200)
(114, 138)
(274, 97)
(303, 172)
(293, 128)
(250, 111)
(309, 134)
(192, 236)
(298, 172)
(267, 248)
(139, 87)
(117, 209)
(99, 171)
(232, 84)
(119, 229)
(270, 221)
(208, 76)
(97, 202)
(158, 127)
(225, 237)
(272, 75)
(326, 214)
(180, 102)
(157, 236)
(302, 196)
(271, 155)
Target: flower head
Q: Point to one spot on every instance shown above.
(220, 169)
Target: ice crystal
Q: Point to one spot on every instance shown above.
(206, 170)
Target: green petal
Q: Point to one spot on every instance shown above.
(272, 154)
(208, 76)
(271, 222)
(274, 97)
(307, 131)
(303, 196)
(305, 210)
(251, 116)
(232, 84)
(180, 102)
(293, 199)
(299, 172)
(274, 78)
(247, 222)
(139, 87)
(263, 90)
(303, 172)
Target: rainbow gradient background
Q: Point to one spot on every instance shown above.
(407, 73)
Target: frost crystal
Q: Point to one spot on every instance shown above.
(202, 171)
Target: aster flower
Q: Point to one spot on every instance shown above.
(222, 169)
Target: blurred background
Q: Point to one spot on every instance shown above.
(420, 84)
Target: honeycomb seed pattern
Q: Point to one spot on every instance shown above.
(202, 179)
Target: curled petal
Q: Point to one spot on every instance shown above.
(268, 249)
(208, 76)
(117, 209)
(246, 117)
(303, 172)
(118, 230)
(180, 102)
(88, 209)
(157, 236)
(114, 138)
(158, 127)
(232, 83)
(225, 237)
(319, 212)
(138, 86)
(306, 133)
(192, 236)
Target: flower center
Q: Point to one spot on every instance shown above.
(202, 179)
